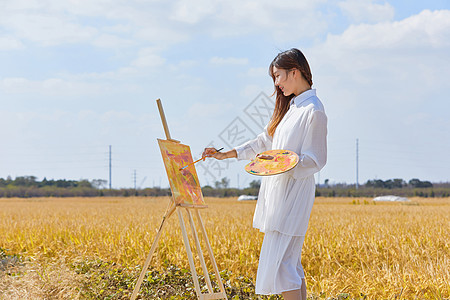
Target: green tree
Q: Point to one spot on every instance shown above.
(224, 183)
(255, 184)
(99, 183)
(420, 184)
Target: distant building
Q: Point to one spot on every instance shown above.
(247, 198)
(391, 198)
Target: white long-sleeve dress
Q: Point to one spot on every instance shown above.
(285, 200)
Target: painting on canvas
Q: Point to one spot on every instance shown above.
(184, 184)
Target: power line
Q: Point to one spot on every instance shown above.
(357, 163)
(110, 181)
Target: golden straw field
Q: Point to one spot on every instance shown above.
(354, 248)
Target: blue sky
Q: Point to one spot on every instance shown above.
(77, 76)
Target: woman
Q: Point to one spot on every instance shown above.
(285, 201)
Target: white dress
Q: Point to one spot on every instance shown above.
(285, 200)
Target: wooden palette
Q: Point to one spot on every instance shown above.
(272, 162)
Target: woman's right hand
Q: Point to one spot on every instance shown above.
(212, 152)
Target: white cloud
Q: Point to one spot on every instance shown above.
(119, 28)
(148, 57)
(283, 21)
(47, 29)
(112, 41)
(367, 11)
(201, 110)
(228, 61)
(413, 50)
(250, 91)
(427, 29)
(9, 43)
(51, 87)
(187, 63)
(116, 75)
(160, 33)
(83, 120)
(13, 84)
(50, 22)
(188, 12)
(386, 82)
(86, 115)
(258, 72)
(113, 116)
(20, 5)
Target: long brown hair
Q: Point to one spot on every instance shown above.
(290, 59)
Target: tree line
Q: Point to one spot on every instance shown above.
(377, 187)
(29, 186)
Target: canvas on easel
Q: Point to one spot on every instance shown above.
(186, 194)
(184, 184)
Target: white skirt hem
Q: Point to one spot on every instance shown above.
(278, 292)
(279, 269)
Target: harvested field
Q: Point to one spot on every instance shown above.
(355, 248)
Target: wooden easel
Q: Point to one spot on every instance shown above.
(173, 207)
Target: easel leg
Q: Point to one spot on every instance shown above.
(189, 253)
(210, 252)
(199, 251)
(152, 249)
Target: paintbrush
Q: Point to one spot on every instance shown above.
(197, 160)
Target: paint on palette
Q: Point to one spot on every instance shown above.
(272, 162)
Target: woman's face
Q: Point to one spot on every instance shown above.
(284, 79)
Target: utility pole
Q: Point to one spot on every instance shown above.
(134, 177)
(110, 183)
(357, 162)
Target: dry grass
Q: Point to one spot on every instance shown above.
(39, 280)
(387, 250)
